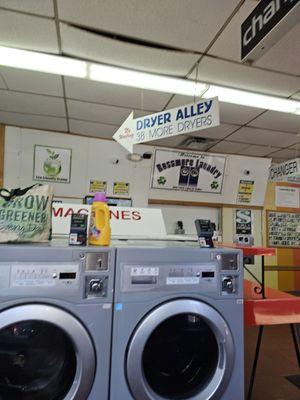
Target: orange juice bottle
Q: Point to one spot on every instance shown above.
(99, 233)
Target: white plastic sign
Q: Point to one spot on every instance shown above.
(124, 221)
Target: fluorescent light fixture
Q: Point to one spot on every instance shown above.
(67, 66)
(250, 99)
(121, 76)
(34, 61)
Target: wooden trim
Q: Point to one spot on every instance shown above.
(284, 268)
(243, 206)
(184, 203)
(2, 138)
(199, 204)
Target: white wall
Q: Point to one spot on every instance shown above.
(92, 159)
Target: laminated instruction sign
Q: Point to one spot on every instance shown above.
(121, 188)
(189, 118)
(187, 171)
(97, 186)
(245, 191)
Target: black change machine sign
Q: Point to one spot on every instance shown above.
(268, 23)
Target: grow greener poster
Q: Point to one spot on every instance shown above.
(188, 171)
(52, 164)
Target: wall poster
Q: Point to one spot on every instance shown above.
(188, 171)
(243, 222)
(283, 229)
(52, 164)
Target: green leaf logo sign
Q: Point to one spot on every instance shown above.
(52, 164)
(214, 185)
(161, 180)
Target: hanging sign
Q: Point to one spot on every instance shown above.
(97, 186)
(121, 188)
(245, 191)
(186, 171)
(288, 171)
(52, 164)
(268, 23)
(186, 119)
(243, 222)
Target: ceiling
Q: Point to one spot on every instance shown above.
(191, 38)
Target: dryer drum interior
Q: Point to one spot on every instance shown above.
(183, 350)
(40, 357)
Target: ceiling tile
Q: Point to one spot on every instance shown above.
(289, 46)
(229, 113)
(28, 32)
(180, 100)
(228, 45)
(263, 137)
(236, 114)
(259, 151)
(80, 43)
(33, 121)
(32, 81)
(278, 121)
(116, 95)
(277, 160)
(39, 7)
(98, 112)
(245, 77)
(2, 83)
(31, 103)
(296, 96)
(92, 128)
(286, 154)
(171, 22)
(217, 132)
(227, 147)
(174, 141)
(296, 145)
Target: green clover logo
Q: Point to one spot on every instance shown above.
(161, 180)
(214, 185)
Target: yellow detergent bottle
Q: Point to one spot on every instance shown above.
(100, 221)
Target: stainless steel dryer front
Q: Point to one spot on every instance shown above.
(55, 322)
(178, 325)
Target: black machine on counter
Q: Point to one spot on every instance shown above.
(205, 231)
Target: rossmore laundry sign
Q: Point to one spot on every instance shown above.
(187, 171)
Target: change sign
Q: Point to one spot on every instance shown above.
(186, 119)
(268, 22)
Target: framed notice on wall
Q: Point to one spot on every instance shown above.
(52, 164)
(283, 229)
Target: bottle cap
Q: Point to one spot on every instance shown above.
(100, 196)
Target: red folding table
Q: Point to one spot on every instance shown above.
(265, 306)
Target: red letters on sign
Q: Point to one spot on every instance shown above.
(126, 215)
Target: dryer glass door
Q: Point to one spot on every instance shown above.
(44, 355)
(181, 350)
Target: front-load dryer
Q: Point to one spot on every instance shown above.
(178, 324)
(55, 322)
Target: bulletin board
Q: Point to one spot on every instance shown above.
(283, 229)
